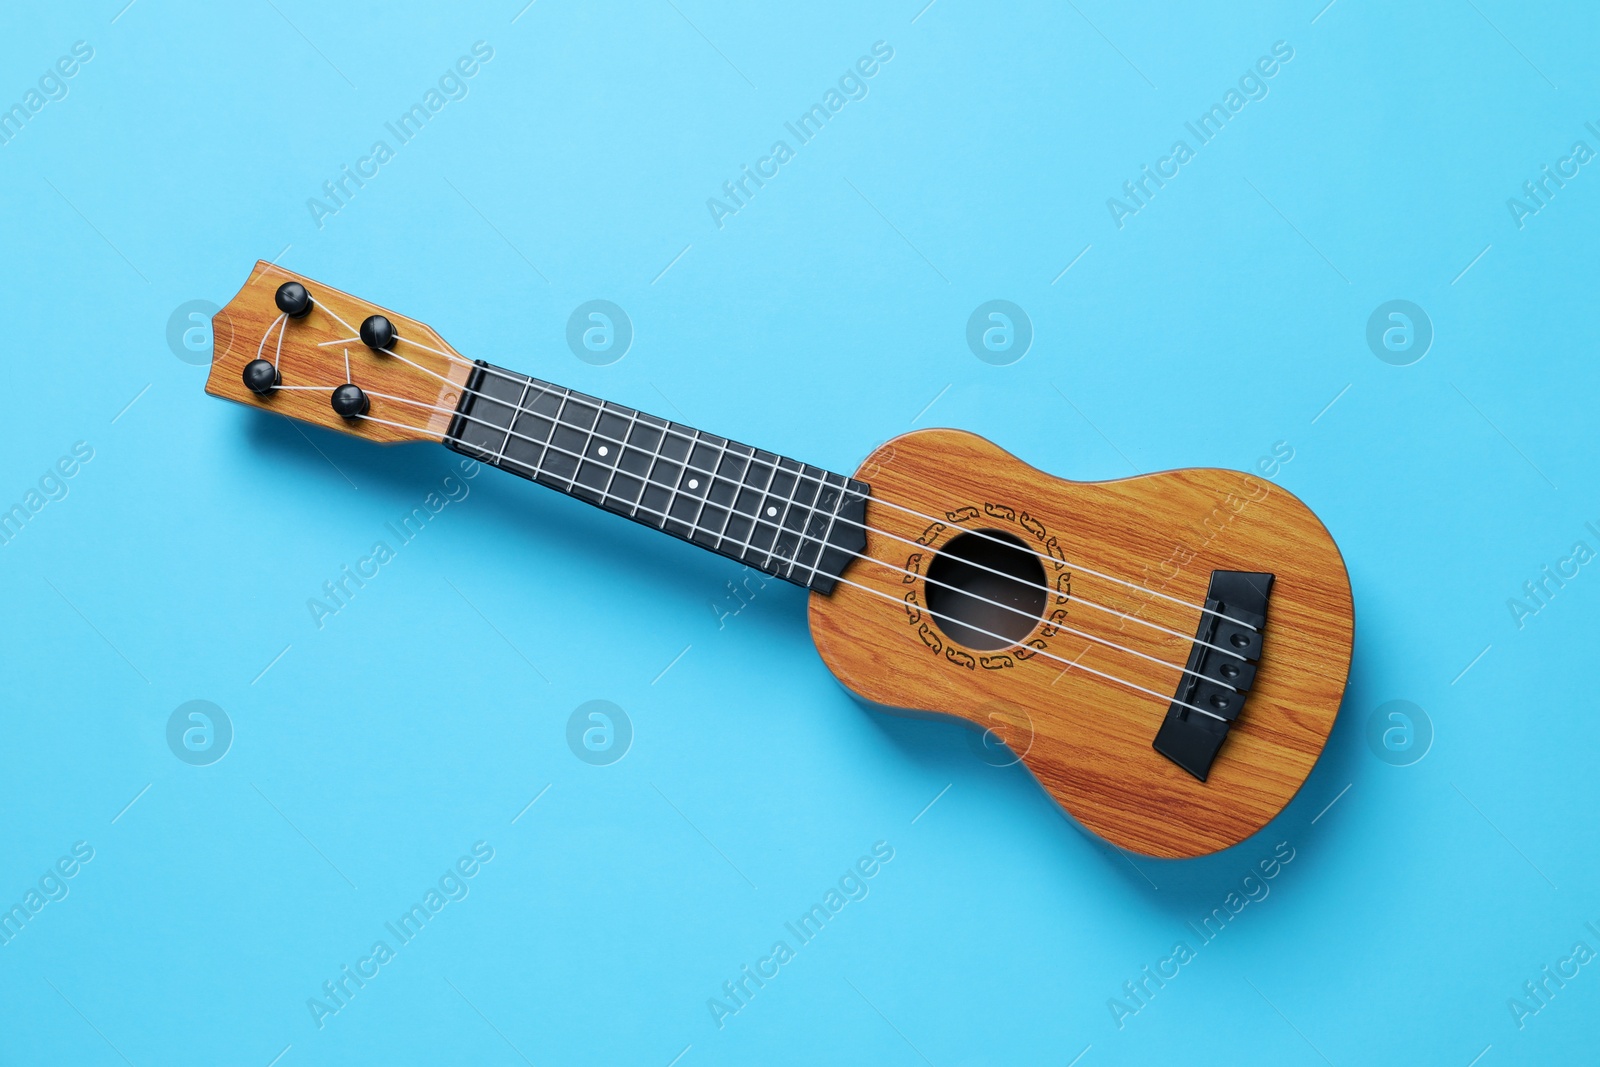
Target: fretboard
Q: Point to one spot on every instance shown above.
(792, 520)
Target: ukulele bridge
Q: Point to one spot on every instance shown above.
(1219, 673)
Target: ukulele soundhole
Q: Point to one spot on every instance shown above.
(986, 590)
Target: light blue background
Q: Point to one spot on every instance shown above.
(827, 315)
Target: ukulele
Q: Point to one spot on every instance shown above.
(1166, 653)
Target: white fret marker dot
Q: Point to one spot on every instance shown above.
(771, 512)
(694, 483)
(604, 450)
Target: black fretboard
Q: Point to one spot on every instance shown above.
(789, 519)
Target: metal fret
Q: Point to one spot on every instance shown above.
(556, 424)
(494, 394)
(822, 544)
(757, 520)
(524, 426)
(711, 478)
(651, 456)
(783, 518)
(732, 480)
(803, 531)
(673, 499)
(516, 413)
(633, 417)
(580, 486)
(774, 549)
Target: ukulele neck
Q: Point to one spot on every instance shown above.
(789, 519)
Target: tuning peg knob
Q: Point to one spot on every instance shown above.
(261, 377)
(293, 300)
(350, 401)
(378, 333)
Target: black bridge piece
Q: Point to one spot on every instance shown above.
(1236, 614)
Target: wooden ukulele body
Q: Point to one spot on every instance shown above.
(1088, 739)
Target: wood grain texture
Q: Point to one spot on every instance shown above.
(238, 329)
(1087, 739)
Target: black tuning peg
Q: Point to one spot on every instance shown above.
(378, 333)
(261, 377)
(350, 401)
(293, 300)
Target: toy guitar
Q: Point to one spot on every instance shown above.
(1165, 653)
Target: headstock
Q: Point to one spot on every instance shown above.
(278, 347)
